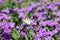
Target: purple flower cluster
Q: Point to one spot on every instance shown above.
(42, 18)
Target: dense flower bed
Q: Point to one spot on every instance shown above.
(29, 19)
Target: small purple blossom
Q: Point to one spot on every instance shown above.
(21, 15)
(23, 32)
(5, 36)
(1, 1)
(47, 38)
(5, 10)
(6, 30)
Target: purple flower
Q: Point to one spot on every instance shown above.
(15, 9)
(58, 13)
(21, 10)
(18, 28)
(32, 5)
(50, 6)
(37, 38)
(4, 16)
(23, 24)
(23, 32)
(21, 15)
(4, 25)
(56, 3)
(42, 30)
(6, 30)
(43, 23)
(19, 1)
(51, 23)
(8, 17)
(58, 36)
(56, 19)
(5, 36)
(55, 31)
(47, 38)
(1, 1)
(39, 35)
(5, 10)
(11, 24)
(36, 16)
(48, 33)
(38, 4)
(1, 16)
(39, 8)
(28, 8)
(58, 29)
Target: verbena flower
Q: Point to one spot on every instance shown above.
(5, 36)
(47, 38)
(1, 1)
(51, 23)
(28, 8)
(4, 16)
(37, 38)
(36, 16)
(23, 32)
(21, 15)
(19, 1)
(58, 13)
(42, 23)
(5, 10)
(56, 3)
(6, 30)
(11, 24)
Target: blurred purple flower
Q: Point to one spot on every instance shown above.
(51, 23)
(32, 5)
(15, 9)
(19, 1)
(57, 13)
(6, 30)
(5, 10)
(58, 36)
(1, 16)
(37, 38)
(55, 31)
(4, 16)
(23, 24)
(4, 25)
(38, 4)
(36, 16)
(43, 23)
(8, 17)
(47, 38)
(11, 24)
(5, 36)
(28, 8)
(18, 28)
(23, 32)
(21, 10)
(56, 3)
(56, 19)
(21, 15)
(1, 1)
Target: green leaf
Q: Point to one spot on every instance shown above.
(53, 39)
(15, 34)
(26, 38)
